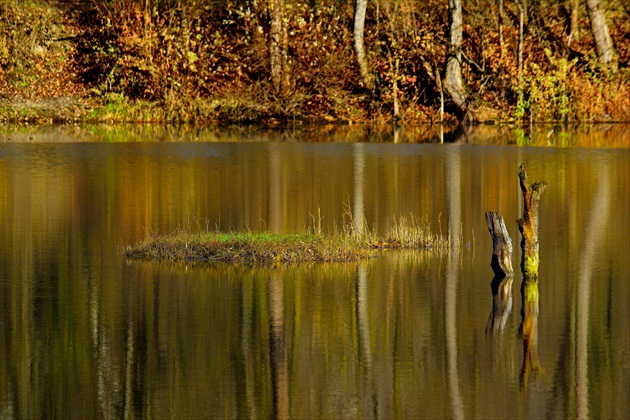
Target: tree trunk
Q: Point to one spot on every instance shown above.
(528, 224)
(359, 45)
(521, 30)
(574, 33)
(453, 78)
(501, 17)
(278, 48)
(395, 92)
(522, 22)
(605, 47)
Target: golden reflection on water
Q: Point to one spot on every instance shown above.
(85, 331)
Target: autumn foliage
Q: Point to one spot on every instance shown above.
(208, 61)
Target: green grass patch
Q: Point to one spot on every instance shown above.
(352, 243)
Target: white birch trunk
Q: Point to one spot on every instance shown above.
(359, 44)
(605, 47)
(453, 79)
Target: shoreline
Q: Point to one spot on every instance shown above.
(218, 113)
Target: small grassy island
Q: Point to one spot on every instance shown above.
(350, 244)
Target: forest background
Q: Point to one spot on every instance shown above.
(408, 61)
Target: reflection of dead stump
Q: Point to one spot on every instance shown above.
(501, 245)
(529, 330)
(501, 304)
(528, 224)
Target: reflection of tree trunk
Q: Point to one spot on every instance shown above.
(275, 189)
(453, 78)
(453, 175)
(597, 220)
(365, 348)
(453, 180)
(362, 316)
(129, 367)
(450, 323)
(359, 46)
(279, 365)
(109, 369)
(359, 170)
(574, 227)
(605, 47)
(98, 351)
(501, 304)
(247, 310)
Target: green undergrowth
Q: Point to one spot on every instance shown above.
(353, 243)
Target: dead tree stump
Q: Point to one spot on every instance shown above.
(528, 224)
(501, 262)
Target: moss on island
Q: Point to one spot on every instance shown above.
(265, 247)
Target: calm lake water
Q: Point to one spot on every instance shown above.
(87, 333)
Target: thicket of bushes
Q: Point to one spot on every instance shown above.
(208, 60)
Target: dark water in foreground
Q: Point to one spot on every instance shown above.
(85, 332)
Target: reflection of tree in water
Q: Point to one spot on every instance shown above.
(369, 402)
(453, 176)
(359, 182)
(275, 185)
(501, 304)
(450, 323)
(595, 228)
(279, 364)
(529, 329)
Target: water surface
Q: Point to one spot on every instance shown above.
(88, 333)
